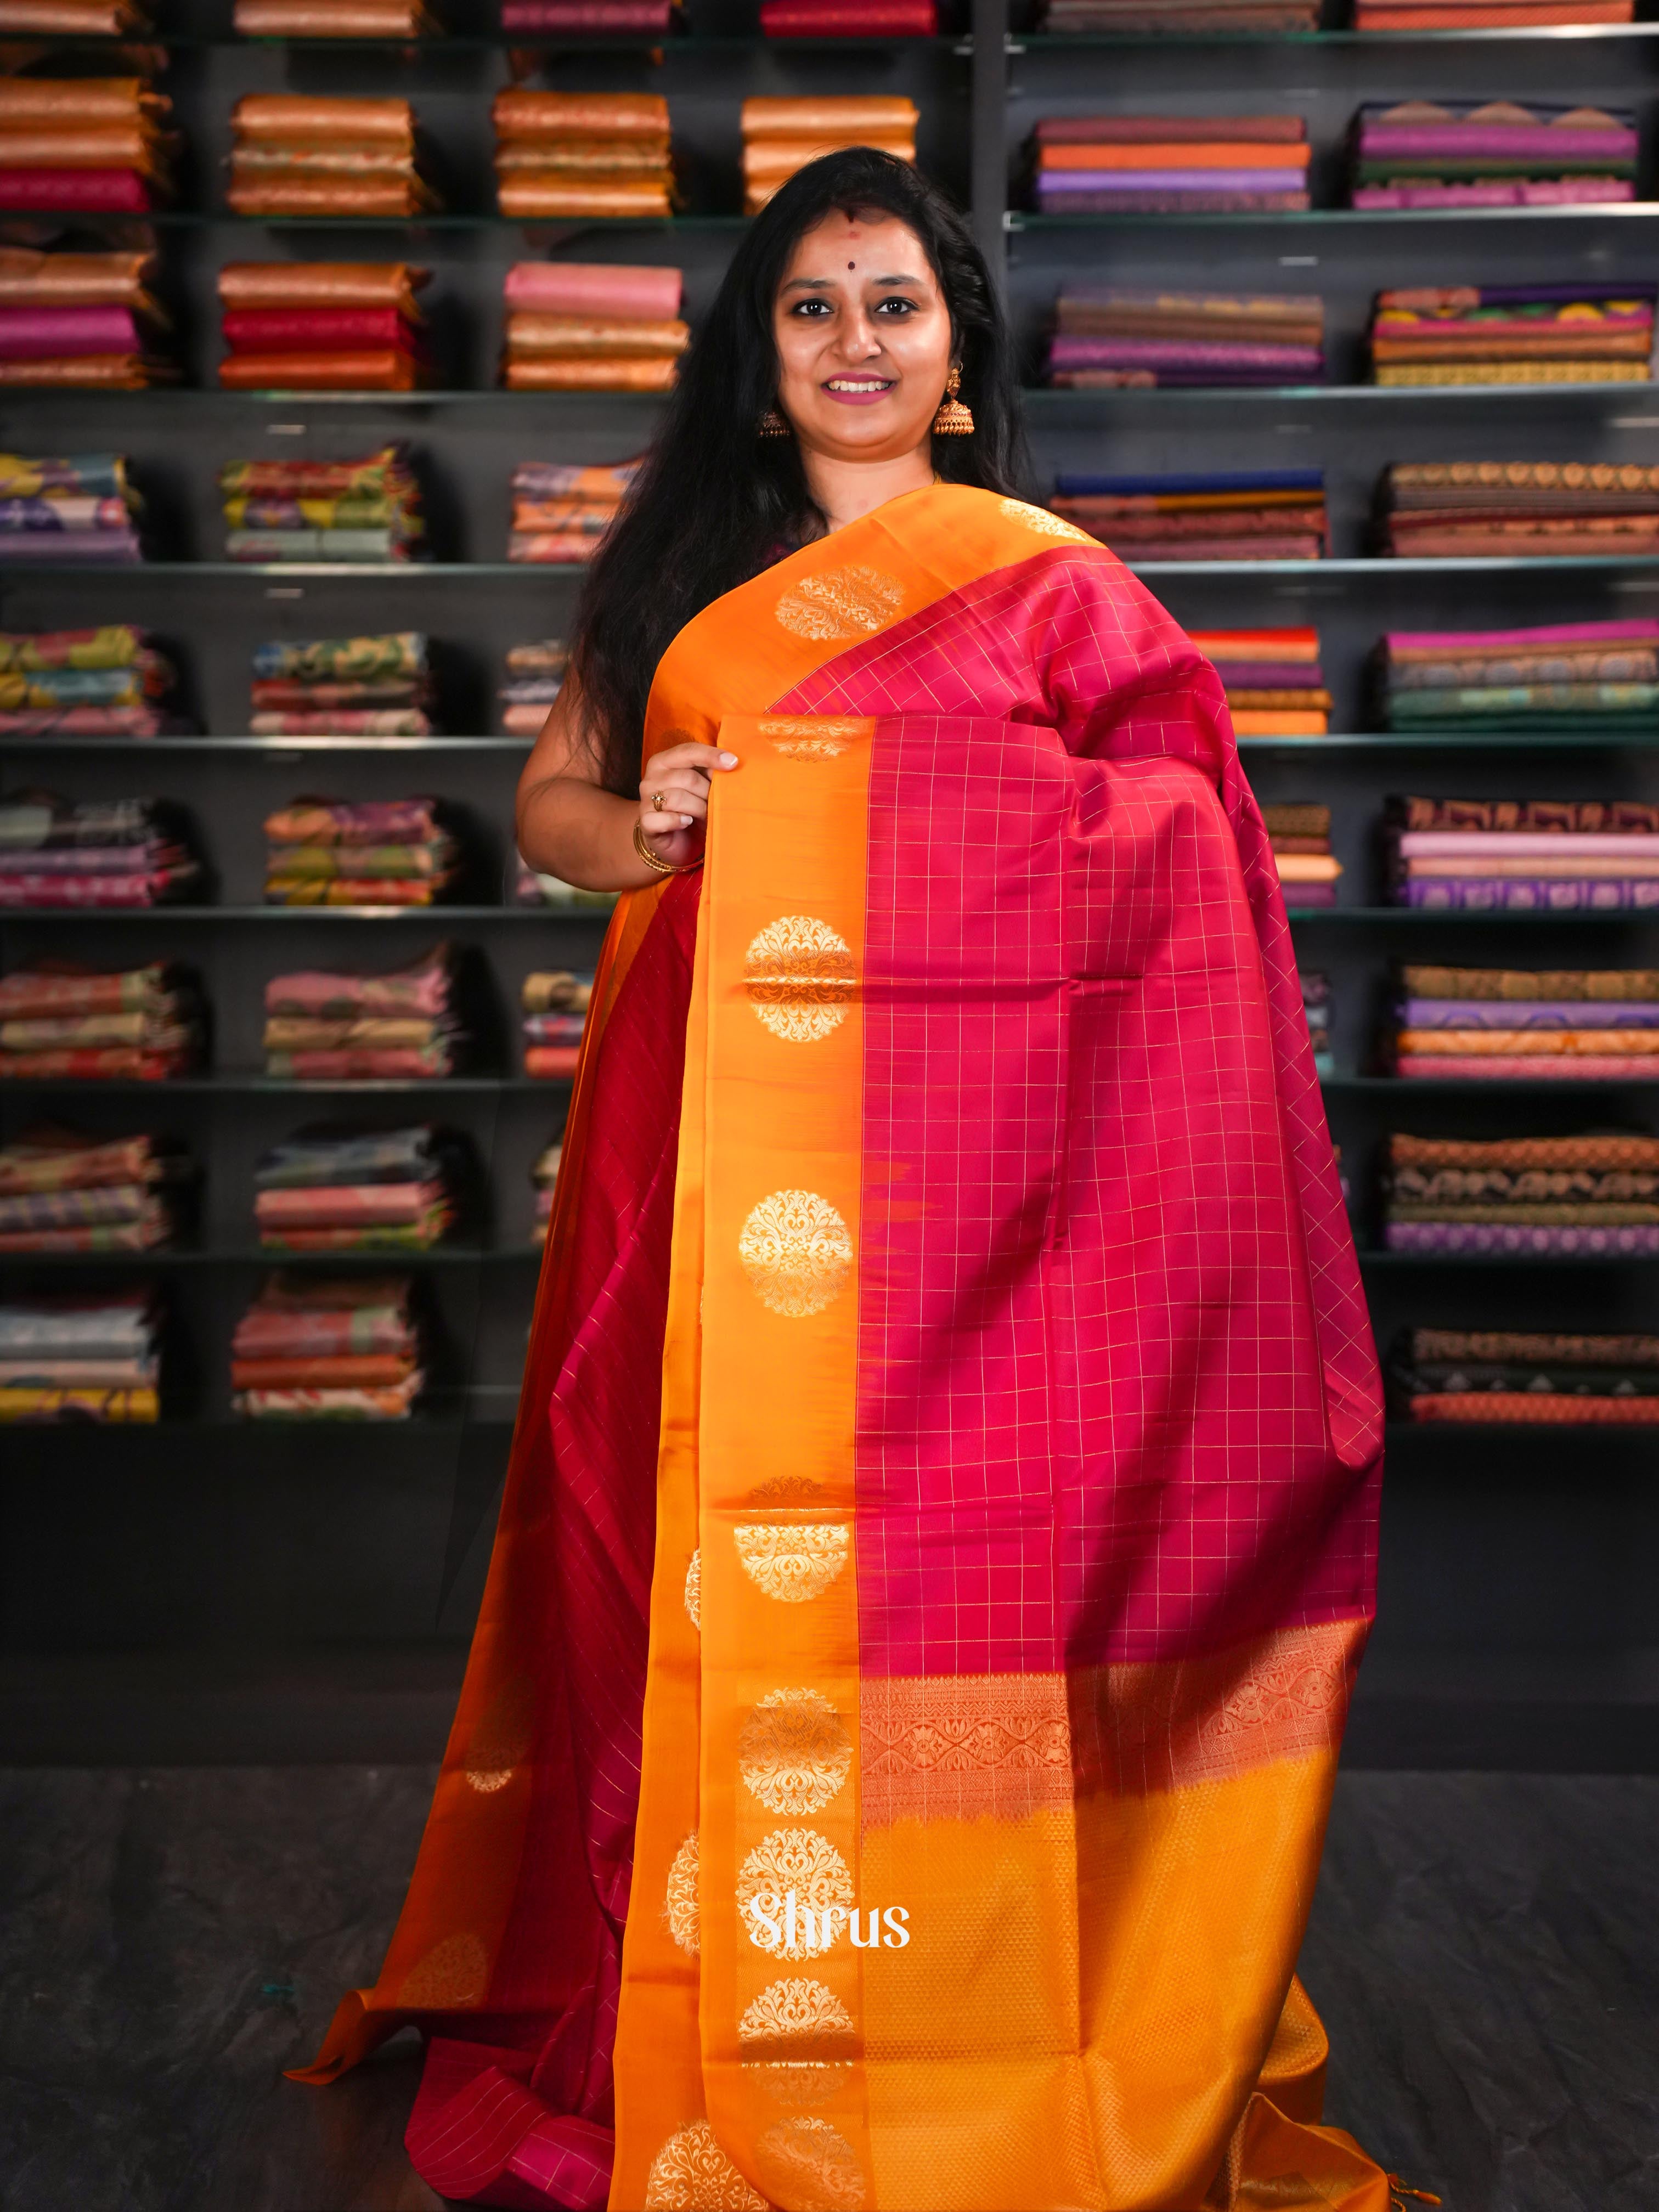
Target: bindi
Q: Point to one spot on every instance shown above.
(852, 264)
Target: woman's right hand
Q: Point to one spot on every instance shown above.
(674, 798)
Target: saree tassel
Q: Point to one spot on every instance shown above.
(1400, 2192)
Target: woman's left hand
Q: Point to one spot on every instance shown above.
(674, 798)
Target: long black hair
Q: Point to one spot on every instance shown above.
(714, 499)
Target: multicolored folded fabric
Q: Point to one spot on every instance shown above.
(343, 686)
(1109, 339)
(544, 1179)
(1300, 836)
(81, 507)
(60, 1022)
(582, 326)
(128, 852)
(1456, 1375)
(1519, 854)
(561, 512)
(379, 852)
(295, 154)
(80, 321)
(555, 1003)
(335, 1188)
(84, 145)
(323, 325)
(368, 510)
(1535, 1197)
(82, 1359)
(1495, 1025)
(111, 682)
(346, 1027)
(63, 1191)
(535, 671)
(1567, 672)
(1170, 165)
(1496, 153)
(1272, 680)
(582, 154)
(1467, 334)
(1514, 509)
(1265, 514)
(316, 1348)
(781, 135)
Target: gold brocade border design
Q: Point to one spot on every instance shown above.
(1164, 1723)
(955, 1747)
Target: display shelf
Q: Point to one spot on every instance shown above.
(440, 45)
(1019, 220)
(14, 396)
(1351, 741)
(1492, 1089)
(238, 1083)
(176, 218)
(1451, 741)
(426, 917)
(1387, 42)
(496, 571)
(1049, 399)
(1466, 918)
(174, 1258)
(262, 747)
(1541, 1264)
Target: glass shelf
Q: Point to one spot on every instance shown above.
(1589, 739)
(1407, 1086)
(260, 746)
(1021, 222)
(428, 917)
(211, 218)
(1370, 1257)
(1387, 41)
(1397, 741)
(439, 45)
(174, 1258)
(1044, 397)
(1368, 917)
(194, 394)
(1375, 570)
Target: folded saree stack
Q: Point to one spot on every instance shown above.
(62, 1191)
(543, 1180)
(1301, 839)
(293, 154)
(1273, 679)
(1584, 333)
(582, 152)
(62, 1023)
(107, 683)
(1514, 510)
(1263, 515)
(1487, 14)
(68, 1358)
(1316, 1006)
(782, 136)
(560, 511)
(1526, 1025)
(333, 1027)
(849, 19)
(1170, 164)
(336, 19)
(535, 673)
(1180, 18)
(1494, 153)
(1586, 1197)
(366, 511)
(92, 852)
(535, 19)
(80, 321)
(73, 19)
(323, 326)
(346, 1189)
(353, 687)
(1515, 1375)
(84, 146)
(1515, 855)
(555, 1004)
(592, 326)
(1559, 675)
(1109, 339)
(344, 1349)
(379, 852)
(78, 508)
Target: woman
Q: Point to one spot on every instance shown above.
(895, 1750)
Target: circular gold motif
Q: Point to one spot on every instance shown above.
(808, 2164)
(693, 1590)
(793, 1565)
(793, 1751)
(680, 1906)
(801, 1859)
(1045, 524)
(799, 977)
(795, 2015)
(840, 602)
(692, 2174)
(453, 1975)
(501, 1741)
(797, 1253)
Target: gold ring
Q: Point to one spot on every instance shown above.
(656, 803)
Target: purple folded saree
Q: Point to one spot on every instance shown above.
(1223, 355)
(1456, 1239)
(61, 333)
(1529, 1014)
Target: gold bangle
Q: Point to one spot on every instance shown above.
(655, 862)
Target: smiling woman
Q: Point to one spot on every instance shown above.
(943, 1500)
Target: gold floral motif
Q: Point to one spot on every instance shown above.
(801, 1859)
(793, 1565)
(839, 603)
(807, 2163)
(793, 1752)
(799, 977)
(1045, 524)
(795, 2015)
(797, 1253)
(453, 1976)
(692, 2174)
(501, 1741)
(694, 1590)
(797, 2081)
(785, 1490)
(811, 737)
(680, 1906)
(956, 1746)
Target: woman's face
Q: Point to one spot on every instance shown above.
(863, 339)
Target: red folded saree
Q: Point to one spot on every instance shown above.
(901, 1744)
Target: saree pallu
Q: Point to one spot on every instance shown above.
(917, 1801)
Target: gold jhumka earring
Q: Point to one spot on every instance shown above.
(954, 420)
(772, 425)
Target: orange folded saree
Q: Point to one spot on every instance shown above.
(939, 1537)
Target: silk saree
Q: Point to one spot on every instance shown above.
(939, 1534)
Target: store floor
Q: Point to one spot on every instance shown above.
(1485, 1948)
